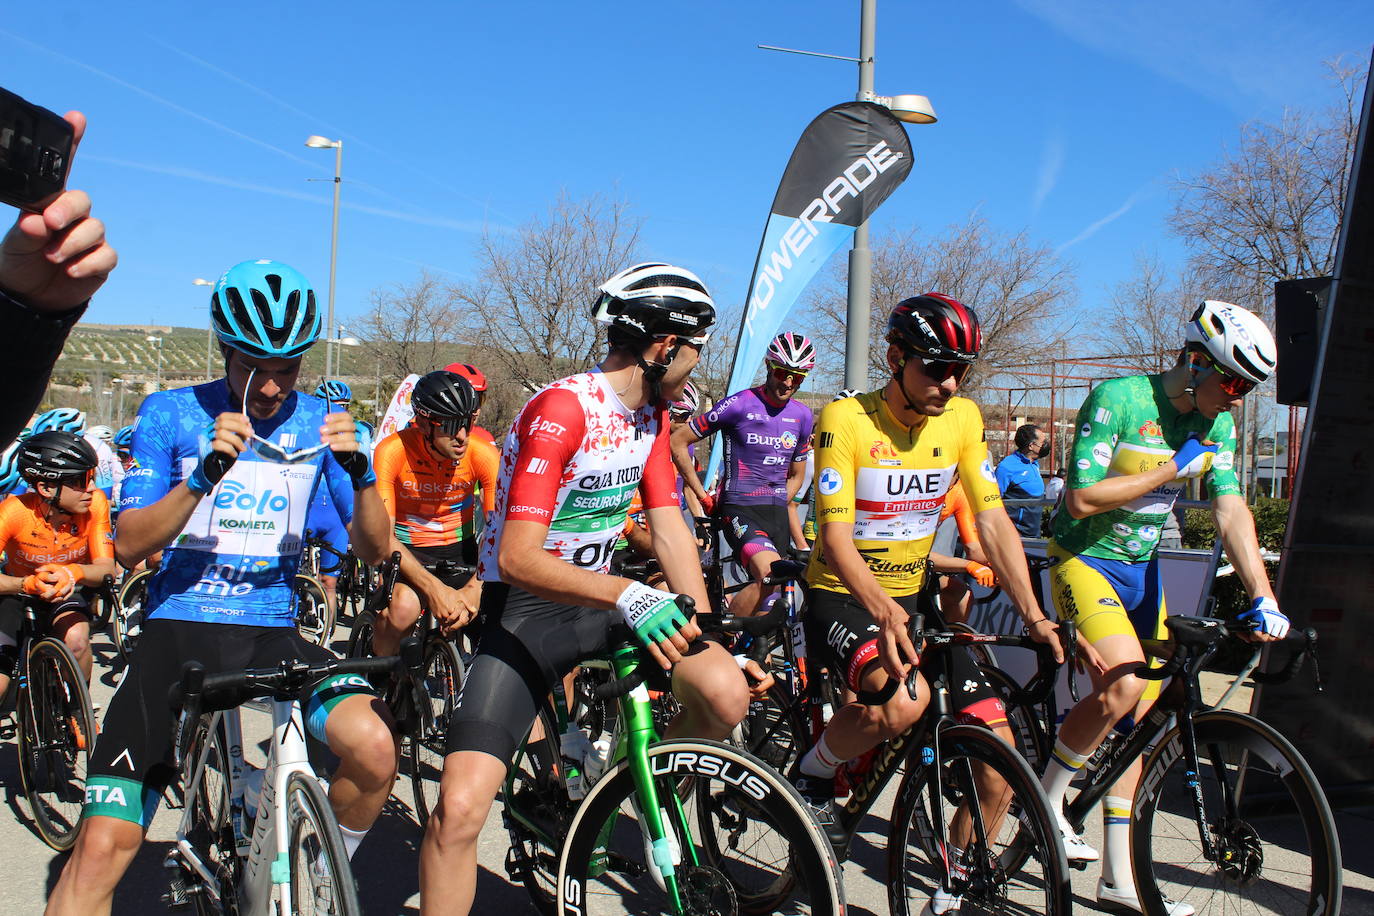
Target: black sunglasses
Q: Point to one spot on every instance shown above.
(937, 370)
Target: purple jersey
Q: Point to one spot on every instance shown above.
(761, 442)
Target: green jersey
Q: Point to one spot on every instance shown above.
(1127, 426)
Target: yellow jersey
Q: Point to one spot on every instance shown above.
(890, 481)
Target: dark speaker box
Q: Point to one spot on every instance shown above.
(1299, 307)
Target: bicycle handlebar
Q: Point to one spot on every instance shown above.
(1204, 633)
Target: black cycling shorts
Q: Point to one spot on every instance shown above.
(527, 645)
(457, 554)
(12, 618)
(131, 764)
(753, 529)
(843, 633)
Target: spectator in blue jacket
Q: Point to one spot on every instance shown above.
(1018, 476)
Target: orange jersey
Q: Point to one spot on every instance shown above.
(29, 541)
(956, 504)
(432, 501)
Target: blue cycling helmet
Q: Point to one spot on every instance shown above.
(265, 309)
(124, 438)
(10, 477)
(334, 391)
(65, 419)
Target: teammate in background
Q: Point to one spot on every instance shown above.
(57, 545)
(886, 461)
(575, 454)
(766, 435)
(224, 477)
(11, 481)
(430, 476)
(478, 381)
(1139, 441)
(109, 472)
(327, 521)
(680, 413)
(955, 598)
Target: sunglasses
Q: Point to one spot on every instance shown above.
(449, 426)
(271, 451)
(782, 374)
(75, 481)
(1233, 385)
(937, 370)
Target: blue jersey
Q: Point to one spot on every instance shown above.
(235, 560)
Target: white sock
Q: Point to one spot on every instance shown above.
(352, 839)
(1063, 767)
(821, 761)
(1116, 838)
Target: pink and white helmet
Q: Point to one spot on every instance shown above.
(791, 351)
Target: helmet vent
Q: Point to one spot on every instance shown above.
(669, 280)
(274, 281)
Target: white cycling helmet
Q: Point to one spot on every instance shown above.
(791, 351)
(1234, 338)
(654, 300)
(103, 433)
(846, 393)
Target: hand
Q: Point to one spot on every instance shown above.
(340, 433)
(228, 439)
(895, 649)
(708, 504)
(981, 574)
(758, 679)
(60, 579)
(1265, 619)
(55, 260)
(658, 621)
(32, 585)
(1194, 457)
(450, 607)
(1046, 631)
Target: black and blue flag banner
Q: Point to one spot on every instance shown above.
(847, 162)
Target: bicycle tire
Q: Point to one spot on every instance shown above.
(57, 732)
(536, 813)
(360, 638)
(211, 829)
(314, 612)
(601, 869)
(916, 856)
(774, 730)
(1031, 740)
(1276, 793)
(317, 850)
(425, 747)
(127, 621)
(982, 654)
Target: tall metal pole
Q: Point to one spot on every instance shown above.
(210, 349)
(333, 253)
(860, 258)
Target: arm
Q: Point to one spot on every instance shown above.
(676, 549)
(796, 474)
(1237, 529)
(369, 533)
(640, 541)
(682, 437)
(1115, 492)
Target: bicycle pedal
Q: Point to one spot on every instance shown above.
(178, 894)
(1079, 864)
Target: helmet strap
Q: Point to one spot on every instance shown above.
(901, 387)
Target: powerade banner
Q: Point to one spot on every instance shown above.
(847, 162)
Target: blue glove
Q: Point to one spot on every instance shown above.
(211, 470)
(1194, 458)
(1265, 617)
(651, 614)
(358, 468)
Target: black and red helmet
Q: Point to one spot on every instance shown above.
(936, 326)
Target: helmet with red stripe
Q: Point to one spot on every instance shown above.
(475, 378)
(936, 326)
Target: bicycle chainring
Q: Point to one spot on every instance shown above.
(705, 892)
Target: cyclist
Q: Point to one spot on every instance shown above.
(478, 381)
(885, 462)
(767, 436)
(109, 472)
(11, 481)
(325, 521)
(571, 461)
(225, 474)
(57, 545)
(1139, 440)
(680, 413)
(430, 476)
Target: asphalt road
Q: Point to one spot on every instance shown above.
(386, 864)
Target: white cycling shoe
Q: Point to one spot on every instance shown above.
(942, 903)
(1076, 849)
(1125, 898)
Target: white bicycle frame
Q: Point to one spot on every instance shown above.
(266, 870)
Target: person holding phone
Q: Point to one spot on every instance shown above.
(52, 260)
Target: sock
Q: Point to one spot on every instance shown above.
(821, 761)
(1116, 837)
(352, 839)
(942, 901)
(1063, 767)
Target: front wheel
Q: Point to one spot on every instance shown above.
(764, 834)
(1275, 845)
(314, 613)
(955, 827)
(321, 879)
(57, 732)
(426, 742)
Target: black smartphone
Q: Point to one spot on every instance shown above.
(35, 152)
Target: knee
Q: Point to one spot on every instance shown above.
(895, 716)
(1120, 696)
(717, 690)
(103, 850)
(458, 818)
(368, 749)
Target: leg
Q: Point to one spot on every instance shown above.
(105, 848)
(955, 599)
(358, 729)
(331, 588)
(448, 855)
(74, 629)
(395, 621)
(712, 691)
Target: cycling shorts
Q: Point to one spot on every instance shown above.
(751, 530)
(458, 554)
(1110, 598)
(331, 530)
(527, 645)
(131, 764)
(12, 618)
(845, 636)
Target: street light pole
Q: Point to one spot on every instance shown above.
(158, 341)
(209, 333)
(860, 257)
(318, 142)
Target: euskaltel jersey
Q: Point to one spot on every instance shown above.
(433, 500)
(1128, 426)
(761, 440)
(29, 540)
(572, 460)
(235, 560)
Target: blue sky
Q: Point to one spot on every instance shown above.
(1067, 118)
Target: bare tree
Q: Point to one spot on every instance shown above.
(411, 326)
(1143, 325)
(1016, 285)
(528, 310)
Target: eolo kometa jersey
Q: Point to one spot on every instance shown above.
(1128, 426)
(890, 482)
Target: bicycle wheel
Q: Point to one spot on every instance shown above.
(360, 638)
(1266, 816)
(424, 746)
(770, 839)
(211, 832)
(774, 730)
(127, 621)
(1026, 726)
(537, 812)
(321, 879)
(57, 731)
(314, 613)
(989, 800)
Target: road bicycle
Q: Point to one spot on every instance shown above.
(683, 826)
(354, 579)
(52, 716)
(281, 853)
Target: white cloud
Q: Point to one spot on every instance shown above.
(1051, 162)
(1094, 227)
